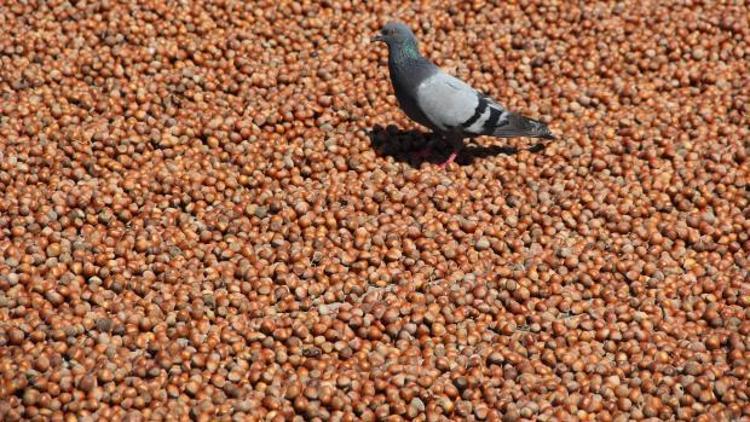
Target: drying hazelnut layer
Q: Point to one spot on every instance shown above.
(209, 210)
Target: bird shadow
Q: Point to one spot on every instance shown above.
(403, 145)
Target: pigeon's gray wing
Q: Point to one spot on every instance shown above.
(454, 106)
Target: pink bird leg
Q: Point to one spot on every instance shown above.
(450, 159)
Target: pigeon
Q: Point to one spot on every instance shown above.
(443, 103)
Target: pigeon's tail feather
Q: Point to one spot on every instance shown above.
(517, 125)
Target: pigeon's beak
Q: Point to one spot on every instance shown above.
(376, 38)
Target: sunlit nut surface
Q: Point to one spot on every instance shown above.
(212, 211)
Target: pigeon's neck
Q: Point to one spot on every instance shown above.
(404, 53)
(408, 72)
(408, 68)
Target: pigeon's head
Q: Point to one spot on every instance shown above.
(395, 33)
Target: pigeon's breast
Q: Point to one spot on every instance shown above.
(406, 75)
(409, 105)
